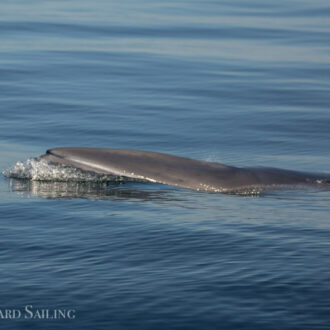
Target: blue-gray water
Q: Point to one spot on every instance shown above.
(240, 82)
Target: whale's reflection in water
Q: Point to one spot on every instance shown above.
(92, 190)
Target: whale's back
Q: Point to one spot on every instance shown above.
(175, 170)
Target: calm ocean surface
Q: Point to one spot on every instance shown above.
(245, 83)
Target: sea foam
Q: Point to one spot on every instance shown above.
(40, 170)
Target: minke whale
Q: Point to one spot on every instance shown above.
(181, 171)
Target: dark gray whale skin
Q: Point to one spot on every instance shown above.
(180, 171)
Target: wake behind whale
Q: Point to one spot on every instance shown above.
(180, 171)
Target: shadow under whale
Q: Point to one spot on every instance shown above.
(180, 171)
(89, 190)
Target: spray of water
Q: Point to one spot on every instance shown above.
(40, 170)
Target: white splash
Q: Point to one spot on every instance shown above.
(40, 170)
